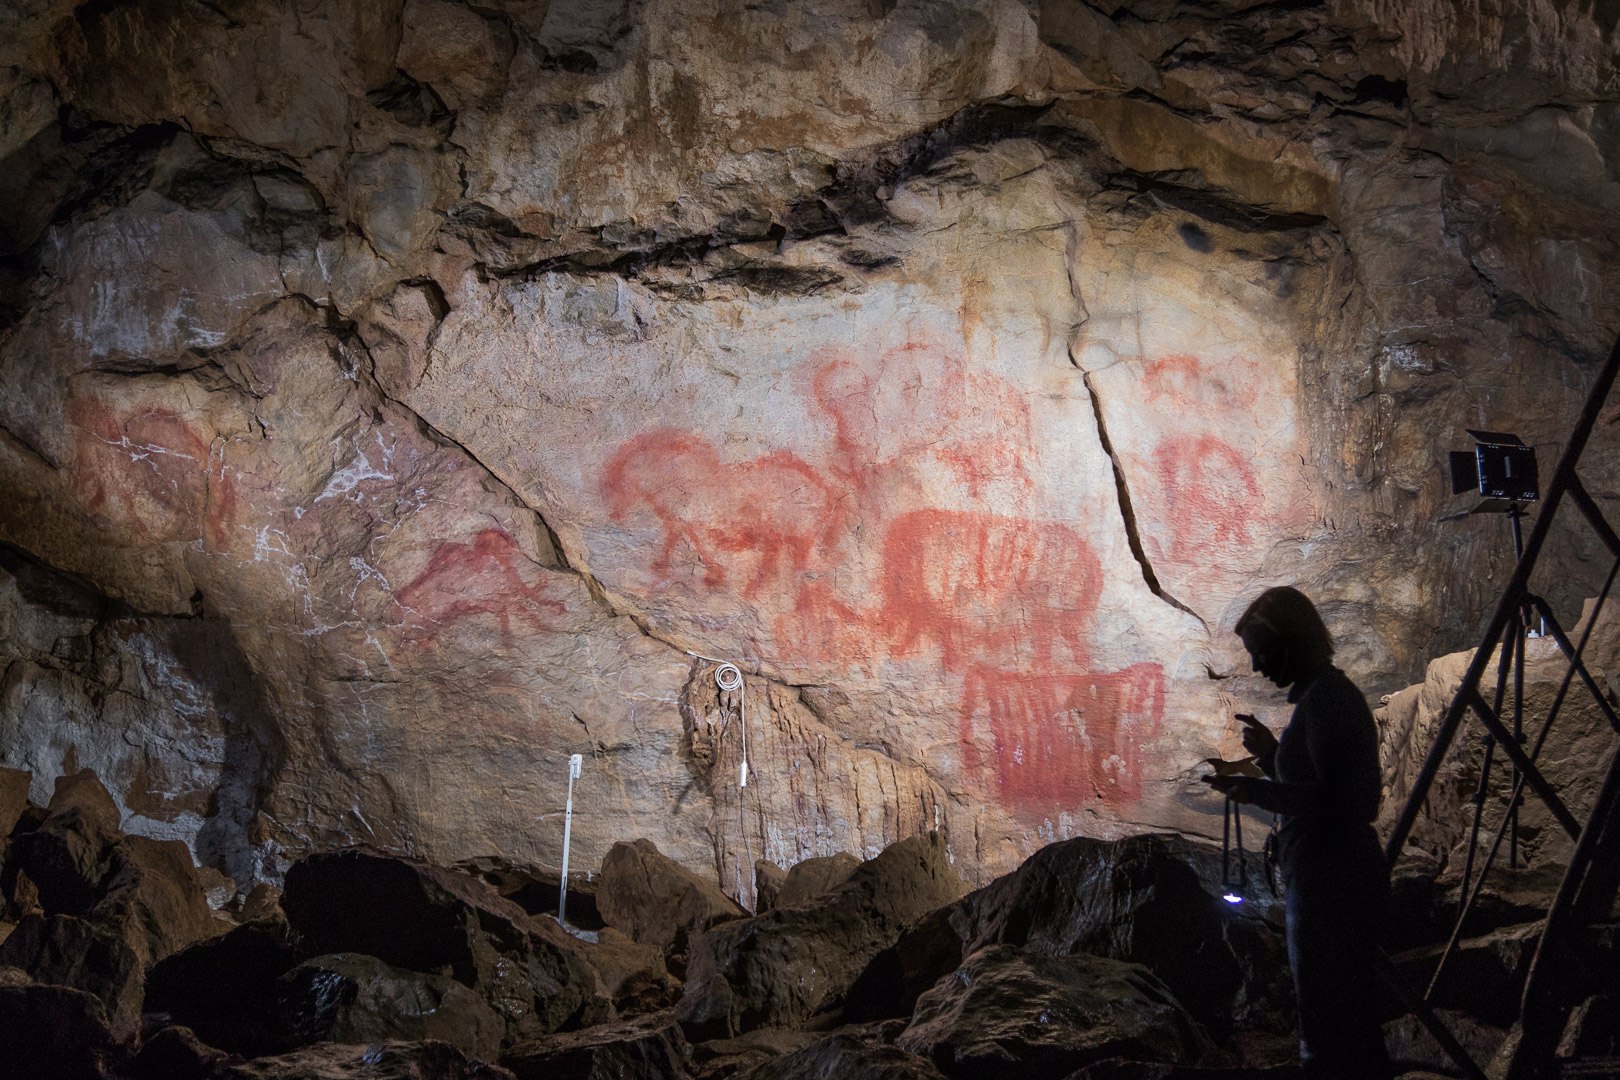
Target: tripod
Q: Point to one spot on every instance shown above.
(1511, 659)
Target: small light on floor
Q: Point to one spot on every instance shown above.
(1232, 898)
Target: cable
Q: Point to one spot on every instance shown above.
(728, 677)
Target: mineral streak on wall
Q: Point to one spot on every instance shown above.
(394, 396)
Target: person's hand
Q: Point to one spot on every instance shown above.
(1240, 789)
(1257, 738)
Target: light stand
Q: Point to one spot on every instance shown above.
(1502, 469)
(1233, 888)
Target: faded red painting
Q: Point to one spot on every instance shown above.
(149, 472)
(768, 512)
(1211, 495)
(489, 577)
(849, 567)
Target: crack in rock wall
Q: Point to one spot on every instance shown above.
(410, 395)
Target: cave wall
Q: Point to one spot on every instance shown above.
(396, 399)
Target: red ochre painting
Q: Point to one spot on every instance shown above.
(148, 472)
(487, 577)
(1005, 604)
(1209, 498)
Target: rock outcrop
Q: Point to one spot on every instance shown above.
(783, 968)
(425, 919)
(656, 900)
(400, 397)
(1007, 1012)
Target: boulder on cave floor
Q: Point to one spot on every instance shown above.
(147, 891)
(784, 967)
(1142, 899)
(55, 1032)
(14, 784)
(1412, 1048)
(105, 906)
(1593, 1029)
(656, 900)
(1120, 1069)
(843, 1056)
(66, 951)
(768, 879)
(808, 879)
(377, 1061)
(648, 1048)
(1483, 977)
(724, 1059)
(85, 792)
(535, 889)
(1011, 1013)
(1139, 899)
(633, 976)
(352, 998)
(225, 989)
(431, 919)
(174, 1052)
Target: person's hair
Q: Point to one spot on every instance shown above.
(1290, 615)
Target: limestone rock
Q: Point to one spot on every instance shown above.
(396, 395)
(1483, 978)
(656, 900)
(1591, 1030)
(429, 919)
(535, 889)
(1412, 1048)
(768, 879)
(1573, 758)
(65, 951)
(225, 989)
(846, 1056)
(84, 792)
(176, 1053)
(67, 858)
(379, 1061)
(13, 797)
(1137, 900)
(789, 964)
(897, 976)
(650, 1048)
(350, 998)
(153, 894)
(1009, 1012)
(809, 879)
(57, 1033)
(633, 976)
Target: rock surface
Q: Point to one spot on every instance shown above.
(656, 900)
(849, 1058)
(784, 967)
(1138, 900)
(429, 919)
(350, 998)
(379, 1061)
(651, 1048)
(400, 397)
(1007, 1012)
(56, 1032)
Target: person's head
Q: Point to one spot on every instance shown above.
(1285, 636)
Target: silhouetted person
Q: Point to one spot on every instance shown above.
(1324, 781)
